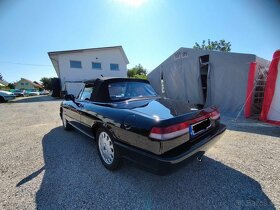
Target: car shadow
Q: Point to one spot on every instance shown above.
(251, 126)
(74, 178)
(31, 99)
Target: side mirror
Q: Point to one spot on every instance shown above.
(69, 97)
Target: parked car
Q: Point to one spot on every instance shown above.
(6, 96)
(32, 92)
(129, 120)
(18, 92)
(44, 92)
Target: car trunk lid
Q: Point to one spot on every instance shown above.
(194, 123)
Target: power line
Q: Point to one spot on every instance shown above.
(25, 64)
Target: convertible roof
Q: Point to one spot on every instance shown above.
(101, 92)
(114, 79)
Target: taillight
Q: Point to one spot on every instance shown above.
(215, 115)
(169, 132)
(165, 133)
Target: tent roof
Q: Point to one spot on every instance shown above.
(214, 51)
(202, 51)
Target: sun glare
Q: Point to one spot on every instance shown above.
(132, 3)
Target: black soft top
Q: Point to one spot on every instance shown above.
(100, 87)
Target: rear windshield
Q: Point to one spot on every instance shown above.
(128, 90)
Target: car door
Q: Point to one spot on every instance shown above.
(71, 112)
(86, 110)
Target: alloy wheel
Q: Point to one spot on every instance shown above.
(106, 148)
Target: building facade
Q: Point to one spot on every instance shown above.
(75, 66)
(25, 84)
(3, 85)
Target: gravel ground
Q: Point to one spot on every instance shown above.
(42, 166)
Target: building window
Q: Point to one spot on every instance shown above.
(184, 54)
(22, 83)
(177, 55)
(26, 83)
(114, 67)
(76, 64)
(96, 65)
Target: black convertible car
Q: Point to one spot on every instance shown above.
(129, 120)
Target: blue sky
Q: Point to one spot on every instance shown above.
(148, 30)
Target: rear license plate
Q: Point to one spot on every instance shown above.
(199, 127)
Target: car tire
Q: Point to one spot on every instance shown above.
(107, 150)
(65, 123)
(2, 99)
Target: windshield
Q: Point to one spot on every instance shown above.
(86, 93)
(128, 90)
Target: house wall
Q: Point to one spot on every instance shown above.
(3, 86)
(105, 57)
(26, 85)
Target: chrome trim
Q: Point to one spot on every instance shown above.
(82, 131)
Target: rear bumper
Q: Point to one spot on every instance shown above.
(159, 163)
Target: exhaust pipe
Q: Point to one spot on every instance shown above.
(199, 159)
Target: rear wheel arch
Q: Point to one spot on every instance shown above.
(95, 128)
(117, 158)
(97, 125)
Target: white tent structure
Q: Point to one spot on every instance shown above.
(210, 78)
(271, 104)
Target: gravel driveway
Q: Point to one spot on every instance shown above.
(42, 166)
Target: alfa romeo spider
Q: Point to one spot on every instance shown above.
(127, 119)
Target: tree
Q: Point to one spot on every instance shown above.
(221, 45)
(137, 72)
(140, 76)
(47, 83)
(1, 77)
(11, 85)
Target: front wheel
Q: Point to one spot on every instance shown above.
(2, 99)
(108, 153)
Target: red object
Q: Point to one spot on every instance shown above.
(165, 133)
(270, 88)
(250, 88)
(170, 129)
(273, 122)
